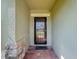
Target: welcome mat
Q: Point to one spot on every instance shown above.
(41, 48)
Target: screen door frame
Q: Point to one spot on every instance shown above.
(40, 19)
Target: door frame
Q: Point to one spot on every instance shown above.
(40, 19)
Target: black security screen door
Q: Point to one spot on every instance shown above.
(40, 30)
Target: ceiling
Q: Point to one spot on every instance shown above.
(40, 4)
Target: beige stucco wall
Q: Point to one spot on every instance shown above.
(14, 24)
(64, 28)
(22, 23)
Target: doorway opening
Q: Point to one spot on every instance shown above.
(40, 30)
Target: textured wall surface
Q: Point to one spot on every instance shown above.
(7, 25)
(22, 26)
(8, 21)
(14, 24)
(64, 28)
